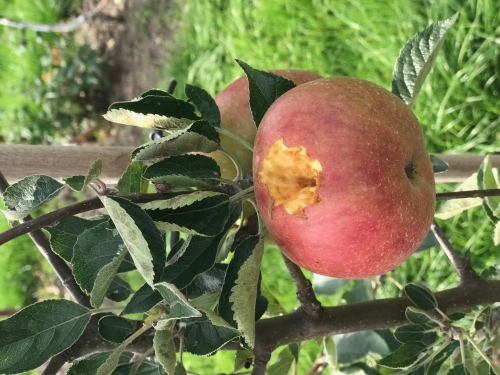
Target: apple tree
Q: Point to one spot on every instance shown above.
(202, 291)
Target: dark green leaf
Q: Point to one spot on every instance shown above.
(143, 300)
(155, 92)
(353, 346)
(95, 248)
(78, 183)
(153, 112)
(403, 357)
(488, 181)
(459, 370)
(23, 197)
(131, 181)
(241, 254)
(205, 217)
(438, 165)
(119, 290)
(489, 213)
(208, 281)
(148, 367)
(205, 104)
(198, 137)
(417, 316)
(38, 332)
(327, 285)
(115, 328)
(439, 360)
(186, 170)
(416, 59)
(421, 296)
(64, 234)
(429, 241)
(409, 333)
(202, 337)
(264, 89)
(88, 365)
(143, 240)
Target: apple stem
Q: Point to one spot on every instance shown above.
(236, 162)
(304, 291)
(235, 137)
(462, 265)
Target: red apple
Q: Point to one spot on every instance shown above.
(236, 117)
(342, 178)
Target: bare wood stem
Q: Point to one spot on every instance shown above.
(55, 364)
(461, 265)
(468, 194)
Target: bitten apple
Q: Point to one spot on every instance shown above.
(342, 178)
(236, 117)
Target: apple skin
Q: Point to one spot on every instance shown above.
(233, 103)
(371, 216)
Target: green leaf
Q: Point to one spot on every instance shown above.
(454, 207)
(264, 89)
(241, 359)
(202, 337)
(330, 350)
(163, 343)
(417, 316)
(353, 346)
(416, 59)
(144, 299)
(207, 282)
(282, 364)
(78, 183)
(429, 241)
(205, 104)
(88, 365)
(179, 306)
(104, 280)
(38, 332)
(115, 328)
(206, 302)
(244, 291)
(496, 234)
(489, 182)
(23, 197)
(438, 165)
(119, 290)
(403, 357)
(153, 112)
(186, 170)
(360, 292)
(198, 137)
(95, 248)
(206, 217)
(131, 181)
(459, 370)
(179, 369)
(409, 333)
(64, 234)
(147, 367)
(469, 362)
(421, 296)
(140, 235)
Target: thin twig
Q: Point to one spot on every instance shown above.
(60, 267)
(462, 265)
(304, 291)
(468, 194)
(74, 209)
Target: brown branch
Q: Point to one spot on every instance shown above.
(468, 194)
(74, 209)
(372, 315)
(55, 364)
(58, 264)
(304, 291)
(461, 265)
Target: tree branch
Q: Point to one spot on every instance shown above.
(461, 265)
(58, 264)
(74, 209)
(59, 27)
(373, 315)
(304, 290)
(55, 364)
(468, 194)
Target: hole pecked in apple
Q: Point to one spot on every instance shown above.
(292, 177)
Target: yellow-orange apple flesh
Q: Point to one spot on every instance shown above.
(236, 117)
(375, 188)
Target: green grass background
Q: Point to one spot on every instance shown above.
(459, 106)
